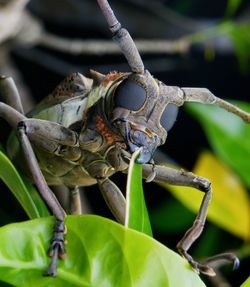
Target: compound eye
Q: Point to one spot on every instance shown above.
(129, 95)
(169, 116)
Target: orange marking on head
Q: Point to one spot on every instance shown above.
(111, 77)
(105, 132)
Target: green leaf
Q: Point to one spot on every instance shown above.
(136, 211)
(239, 35)
(24, 192)
(100, 253)
(237, 32)
(232, 6)
(229, 207)
(228, 135)
(171, 216)
(3, 284)
(246, 283)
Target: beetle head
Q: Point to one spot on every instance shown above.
(142, 113)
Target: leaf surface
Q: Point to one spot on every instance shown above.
(136, 211)
(100, 253)
(24, 192)
(228, 135)
(246, 283)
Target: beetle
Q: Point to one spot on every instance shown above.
(87, 129)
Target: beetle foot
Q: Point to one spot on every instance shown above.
(57, 248)
(216, 261)
(203, 268)
(198, 267)
(220, 259)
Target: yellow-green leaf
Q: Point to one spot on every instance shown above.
(100, 252)
(24, 192)
(228, 135)
(230, 205)
(136, 211)
(246, 283)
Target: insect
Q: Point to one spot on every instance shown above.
(88, 127)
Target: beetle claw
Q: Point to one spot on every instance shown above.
(206, 269)
(203, 268)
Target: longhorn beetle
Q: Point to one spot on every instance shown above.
(88, 127)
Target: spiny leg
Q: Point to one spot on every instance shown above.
(114, 198)
(61, 141)
(53, 132)
(13, 118)
(174, 176)
(9, 92)
(57, 244)
(37, 175)
(194, 232)
(75, 200)
(10, 115)
(16, 120)
(183, 178)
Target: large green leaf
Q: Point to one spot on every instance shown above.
(230, 203)
(232, 6)
(24, 192)
(136, 211)
(239, 35)
(228, 135)
(100, 253)
(246, 283)
(236, 31)
(171, 216)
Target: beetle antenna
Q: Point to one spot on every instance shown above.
(123, 39)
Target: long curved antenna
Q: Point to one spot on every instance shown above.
(123, 39)
(204, 96)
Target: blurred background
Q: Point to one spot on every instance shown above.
(184, 43)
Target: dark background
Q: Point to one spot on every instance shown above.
(42, 68)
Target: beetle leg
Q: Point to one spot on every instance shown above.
(75, 200)
(152, 174)
(9, 92)
(114, 198)
(37, 129)
(183, 178)
(11, 116)
(37, 175)
(57, 243)
(194, 232)
(175, 176)
(17, 121)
